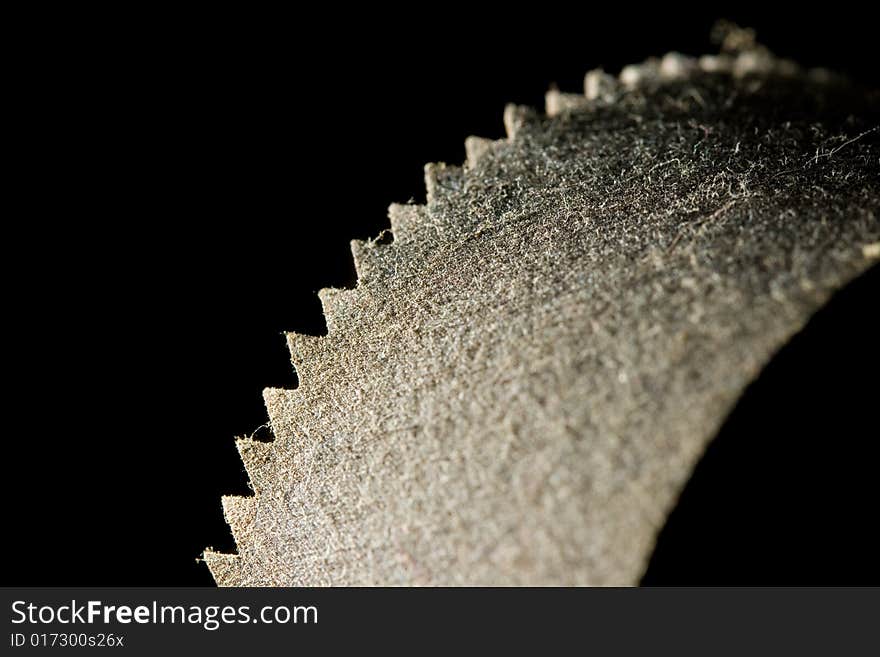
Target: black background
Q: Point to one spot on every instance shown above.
(188, 182)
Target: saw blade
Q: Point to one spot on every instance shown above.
(520, 384)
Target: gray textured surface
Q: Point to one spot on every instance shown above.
(521, 383)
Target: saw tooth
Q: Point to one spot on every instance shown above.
(442, 181)
(637, 74)
(294, 416)
(284, 407)
(515, 117)
(337, 303)
(753, 62)
(360, 254)
(367, 259)
(475, 148)
(556, 102)
(716, 63)
(599, 85)
(241, 516)
(305, 354)
(675, 66)
(553, 103)
(257, 459)
(226, 569)
(405, 219)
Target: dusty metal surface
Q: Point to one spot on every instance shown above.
(522, 381)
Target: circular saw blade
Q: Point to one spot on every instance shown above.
(521, 383)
